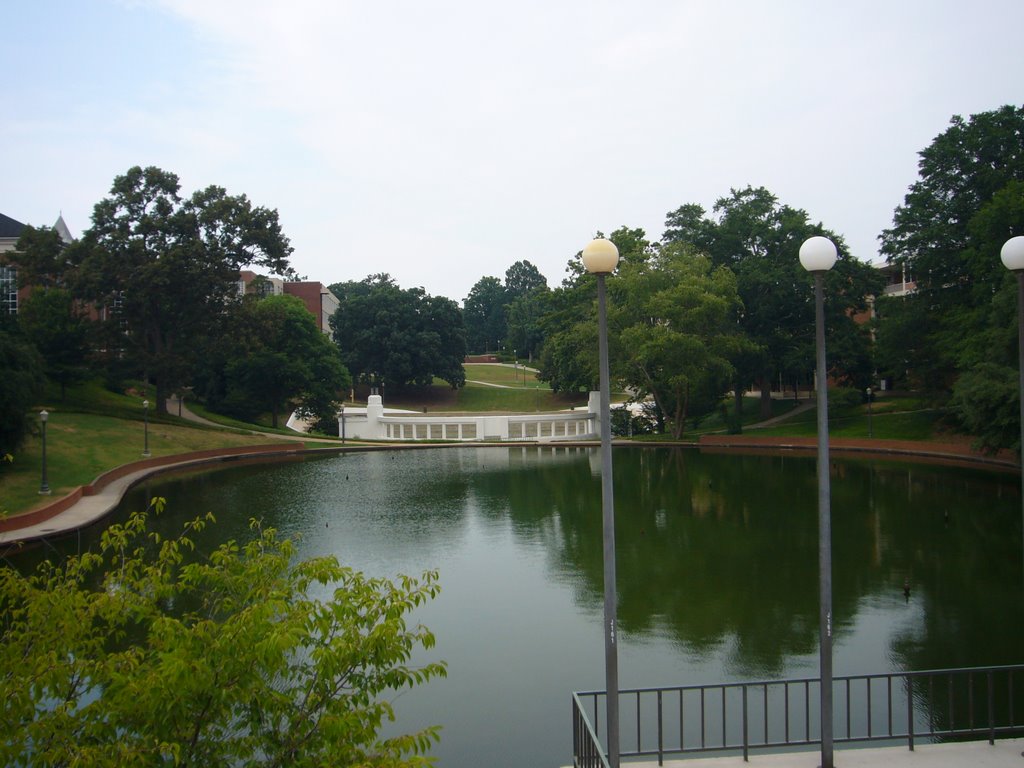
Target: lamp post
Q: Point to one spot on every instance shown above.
(600, 257)
(817, 255)
(1012, 255)
(868, 393)
(44, 485)
(145, 418)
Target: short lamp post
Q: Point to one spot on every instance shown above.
(600, 257)
(868, 392)
(145, 419)
(817, 255)
(44, 485)
(1012, 255)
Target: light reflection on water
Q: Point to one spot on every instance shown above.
(716, 559)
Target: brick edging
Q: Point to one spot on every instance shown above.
(54, 508)
(947, 451)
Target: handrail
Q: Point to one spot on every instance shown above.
(979, 702)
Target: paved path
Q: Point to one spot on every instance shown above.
(1005, 753)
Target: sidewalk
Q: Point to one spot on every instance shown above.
(1005, 753)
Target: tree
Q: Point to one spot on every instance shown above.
(401, 337)
(483, 315)
(525, 330)
(281, 358)
(569, 357)
(143, 653)
(521, 279)
(42, 258)
(960, 173)
(52, 321)
(759, 240)
(19, 386)
(968, 200)
(170, 266)
(676, 318)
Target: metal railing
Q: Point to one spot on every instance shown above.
(934, 705)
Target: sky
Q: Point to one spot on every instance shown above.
(443, 141)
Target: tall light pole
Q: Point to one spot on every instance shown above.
(817, 255)
(600, 257)
(868, 392)
(1012, 255)
(44, 485)
(145, 417)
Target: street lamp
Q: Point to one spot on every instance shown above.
(817, 255)
(600, 257)
(44, 486)
(145, 417)
(868, 393)
(1012, 255)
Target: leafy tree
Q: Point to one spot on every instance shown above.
(142, 653)
(403, 337)
(171, 266)
(675, 316)
(968, 200)
(483, 315)
(521, 279)
(19, 386)
(52, 321)
(42, 258)
(759, 240)
(280, 358)
(525, 314)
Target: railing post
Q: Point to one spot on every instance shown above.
(661, 735)
(991, 710)
(746, 751)
(910, 712)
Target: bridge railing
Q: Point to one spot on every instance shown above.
(903, 707)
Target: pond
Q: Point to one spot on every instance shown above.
(716, 557)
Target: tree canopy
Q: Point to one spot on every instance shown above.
(169, 266)
(759, 239)
(19, 386)
(398, 337)
(968, 200)
(278, 358)
(145, 653)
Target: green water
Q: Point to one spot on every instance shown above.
(717, 570)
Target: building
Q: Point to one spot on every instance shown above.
(897, 281)
(317, 297)
(10, 231)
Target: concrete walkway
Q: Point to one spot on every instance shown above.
(1005, 753)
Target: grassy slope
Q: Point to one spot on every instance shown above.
(88, 433)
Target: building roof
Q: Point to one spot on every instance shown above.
(9, 227)
(62, 229)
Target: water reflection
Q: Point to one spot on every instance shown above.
(717, 568)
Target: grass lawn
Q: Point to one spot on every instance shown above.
(477, 398)
(80, 446)
(853, 422)
(506, 375)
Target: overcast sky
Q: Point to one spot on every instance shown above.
(442, 141)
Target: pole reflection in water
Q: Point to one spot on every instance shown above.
(717, 569)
